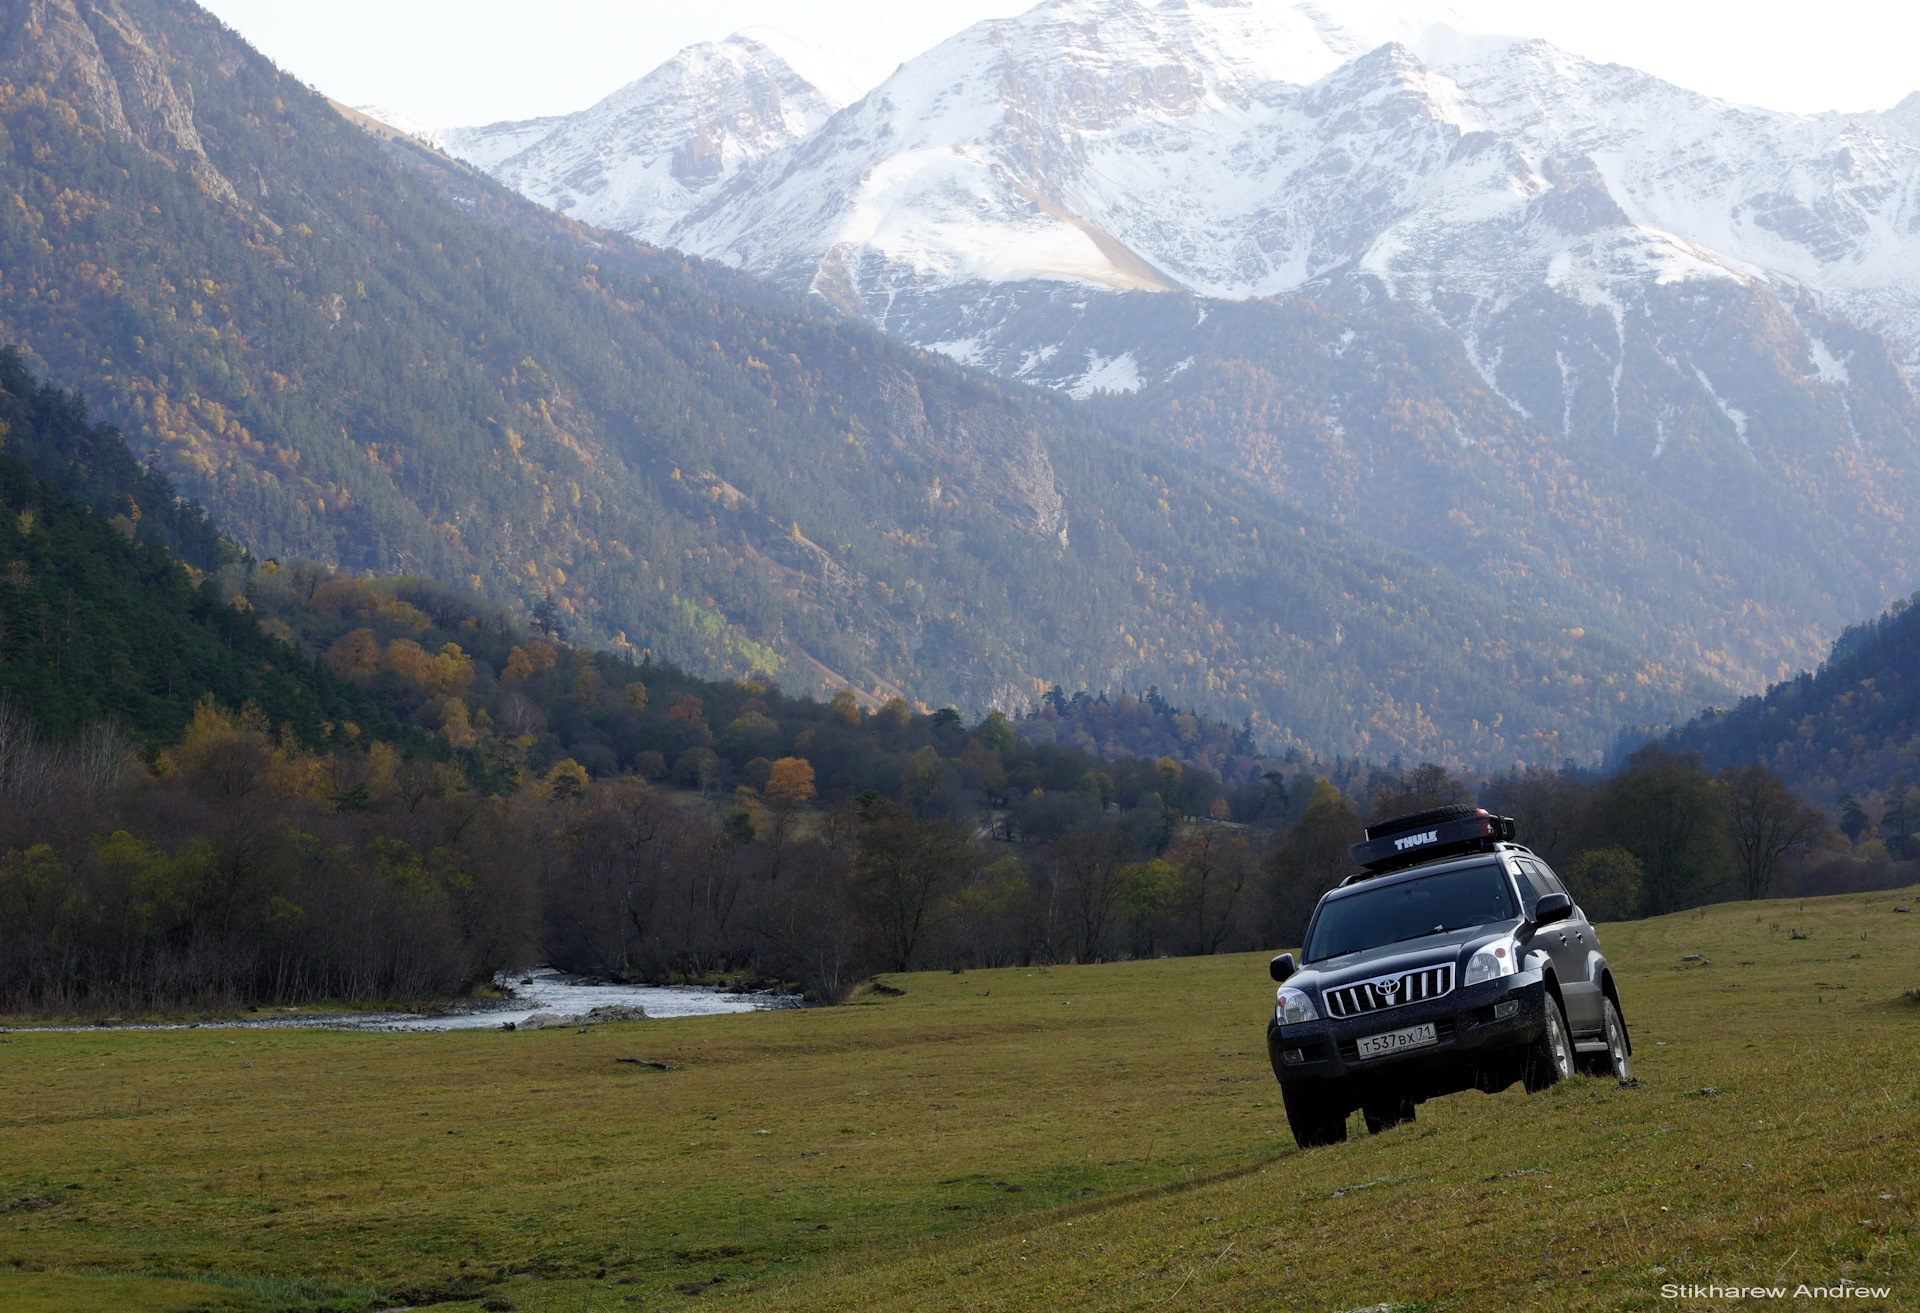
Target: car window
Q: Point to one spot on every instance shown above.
(1410, 909)
(1552, 881)
(1538, 882)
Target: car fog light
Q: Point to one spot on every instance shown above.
(1292, 1055)
(1501, 1011)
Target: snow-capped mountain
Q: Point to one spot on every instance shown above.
(1122, 145)
(1707, 306)
(1232, 149)
(641, 158)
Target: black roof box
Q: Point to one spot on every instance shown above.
(1425, 836)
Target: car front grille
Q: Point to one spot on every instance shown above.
(1390, 991)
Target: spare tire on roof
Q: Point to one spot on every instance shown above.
(1420, 820)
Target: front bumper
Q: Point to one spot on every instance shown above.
(1476, 1049)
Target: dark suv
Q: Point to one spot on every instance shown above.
(1456, 960)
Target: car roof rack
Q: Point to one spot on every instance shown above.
(1415, 840)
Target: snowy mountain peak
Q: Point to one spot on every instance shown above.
(643, 156)
(1069, 143)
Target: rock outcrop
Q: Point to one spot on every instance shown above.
(98, 56)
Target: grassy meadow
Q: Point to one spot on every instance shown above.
(1100, 1137)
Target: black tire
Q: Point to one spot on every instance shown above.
(1384, 1114)
(1420, 820)
(1550, 1058)
(1617, 1061)
(1314, 1119)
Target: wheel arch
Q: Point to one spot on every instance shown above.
(1551, 983)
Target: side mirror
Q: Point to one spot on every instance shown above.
(1551, 908)
(1281, 967)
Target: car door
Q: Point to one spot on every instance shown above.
(1571, 944)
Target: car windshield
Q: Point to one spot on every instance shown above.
(1431, 905)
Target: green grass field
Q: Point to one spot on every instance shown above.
(1098, 1137)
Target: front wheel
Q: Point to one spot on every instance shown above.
(1550, 1058)
(1382, 1114)
(1314, 1119)
(1617, 1061)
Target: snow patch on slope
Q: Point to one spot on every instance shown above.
(1737, 416)
(1120, 374)
(1829, 367)
(960, 350)
(413, 127)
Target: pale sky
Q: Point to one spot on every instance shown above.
(476, 61)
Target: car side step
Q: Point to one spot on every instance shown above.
(1590, 1045)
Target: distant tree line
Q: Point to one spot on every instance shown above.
(1661, 834)
(241, 865)
(278, 781)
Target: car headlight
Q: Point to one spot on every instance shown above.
(1497, 959)
(1292, 1005)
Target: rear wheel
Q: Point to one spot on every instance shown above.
(1314, 1119)
(1550, 1058)
(1617, 1061)
(1381, 1114)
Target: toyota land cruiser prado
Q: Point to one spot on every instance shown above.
(1456, 960)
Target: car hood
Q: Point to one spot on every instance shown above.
(1408, 955)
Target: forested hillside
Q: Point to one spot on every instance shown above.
(96, 624)
(48, 430)
(1658, 520)
(358, 353)
(1851, 728)
(1122, 724)
(195, 811)
(394, 788)
(281, 782)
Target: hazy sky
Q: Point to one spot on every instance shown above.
(475, 61)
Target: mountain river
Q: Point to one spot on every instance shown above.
(539, 991)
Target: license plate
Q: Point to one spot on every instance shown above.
(1396, 1041)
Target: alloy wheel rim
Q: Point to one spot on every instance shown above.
(1617, 1046)
(1562, 1054)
